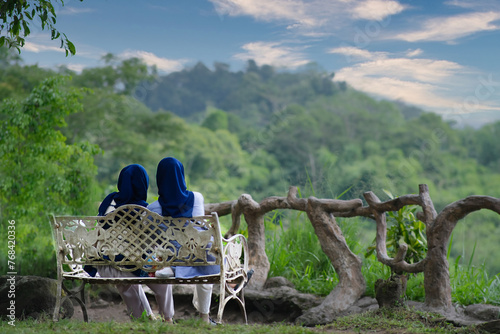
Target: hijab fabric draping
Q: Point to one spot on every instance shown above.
(174, 198)
(133, 185)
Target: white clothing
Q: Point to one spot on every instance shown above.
(202, 296)
(134, 297)
(198, 205)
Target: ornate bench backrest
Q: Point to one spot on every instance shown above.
(137, 238)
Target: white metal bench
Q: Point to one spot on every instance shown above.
(147, 241)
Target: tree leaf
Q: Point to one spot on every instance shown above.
(71, 47)
(16, 26)
(26, 28)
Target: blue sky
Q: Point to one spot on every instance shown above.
(442, 56)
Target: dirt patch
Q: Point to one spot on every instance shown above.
(105, 304)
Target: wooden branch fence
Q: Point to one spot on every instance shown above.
(322, 213)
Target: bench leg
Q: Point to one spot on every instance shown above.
(77, 293)
(222, 303)
(223, 300)
(55, 316)
(241, 303)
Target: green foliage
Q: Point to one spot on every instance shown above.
(16, 17)
(252, 95)
(122, 77)
(307, 267)
(404, 227)
(472, 285)
(483, 145)
(18, 81)
(475, 238)
(216, 120)
(40, 173)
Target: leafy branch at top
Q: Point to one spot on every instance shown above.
(16, 17)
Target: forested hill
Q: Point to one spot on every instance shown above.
(257, 90)
(260, 130)
(253, 94)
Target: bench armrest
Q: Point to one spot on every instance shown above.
(235, 259)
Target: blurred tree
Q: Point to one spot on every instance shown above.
(216, 119)
(489, 145)
(116, 76)
(16, 80)
(40, 174)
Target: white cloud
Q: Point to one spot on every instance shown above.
(452, 28)
(376, 9)
(78, 68)
(294, 11)
(475, 4)
(357, 53)
(37, 47)
(459, 3)
(162, 64)
(412, 92)
(313, 17)
(66, 10)
(422, 70)
(273, 53)
(414, 53)
(422, 82)
(442, 86)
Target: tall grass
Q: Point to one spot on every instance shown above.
(471, 284)
(294, 252)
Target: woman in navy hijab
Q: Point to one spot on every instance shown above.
(176, 201)
(133, 183)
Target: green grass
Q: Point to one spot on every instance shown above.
(294, 252)
(472, 285)
(187, 326)
(401, 320)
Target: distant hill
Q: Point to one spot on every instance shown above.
(192, 90)
(254, 93)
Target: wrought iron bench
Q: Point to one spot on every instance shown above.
(132, 237)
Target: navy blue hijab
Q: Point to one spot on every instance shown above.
(133, 184)
(174, 198)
